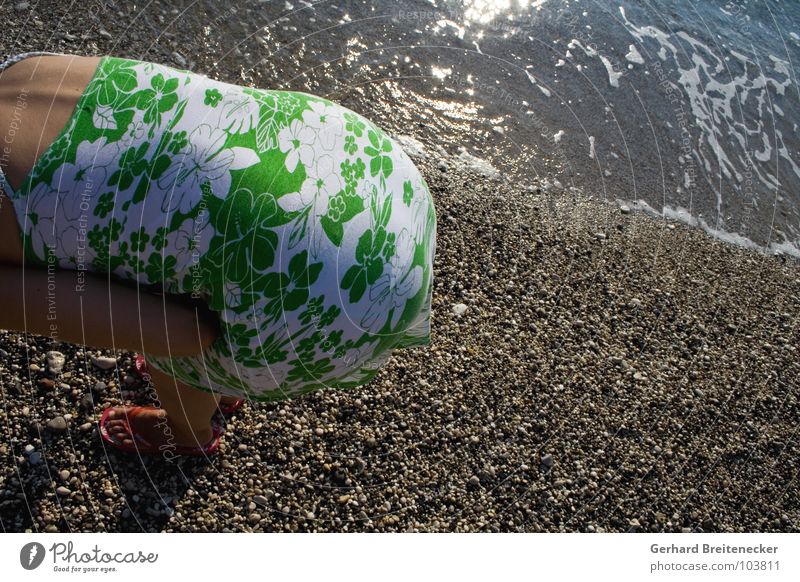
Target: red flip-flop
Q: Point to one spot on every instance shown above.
(143, 447)
(140, 370)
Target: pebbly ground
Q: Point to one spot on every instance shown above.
(591, 370)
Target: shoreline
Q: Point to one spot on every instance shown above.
(636, 381)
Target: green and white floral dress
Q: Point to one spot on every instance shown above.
(301, 223)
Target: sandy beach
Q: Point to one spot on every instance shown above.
(592, 369)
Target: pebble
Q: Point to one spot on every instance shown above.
(63, 474)
(179, 58)
(99, 388)
(600, 235)
(58, 424)
(35, 458)
(46, 383)
(260, 500)
(459, 309)
(474, 481)
(55, 362)
(22, 6)
(34, 367)
(105, 34)
(547, 460)
(104, 363)
(625, 209)
(63, 491)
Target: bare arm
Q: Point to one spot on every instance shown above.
(92, 312)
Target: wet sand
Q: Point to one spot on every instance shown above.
(590, 370)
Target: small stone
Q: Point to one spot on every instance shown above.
(474, 481)
(600, 235)
(55, 362)
(63, 491)
(35, 458)
(260, 500)
(547, 460)
(344, 499)
(22, 6)
(459, 309)
(108, 493)
(63, 474)
(34, 367)
(46, 383)
(310, 515)
(179, 58)
(52, 528)
(104, 363)
(29, 448)
(70, 37)
(625, 209)
(254, 517)
(242, 448)
(99, 388)
(58, 424)
(104, 33)
(87, 402)
(639, 376)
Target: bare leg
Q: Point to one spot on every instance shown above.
(99, 312)
(184, 416)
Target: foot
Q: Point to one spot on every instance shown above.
(155, 427)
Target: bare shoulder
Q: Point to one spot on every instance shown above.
(37, 96)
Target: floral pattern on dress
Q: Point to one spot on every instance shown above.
(302, 224)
